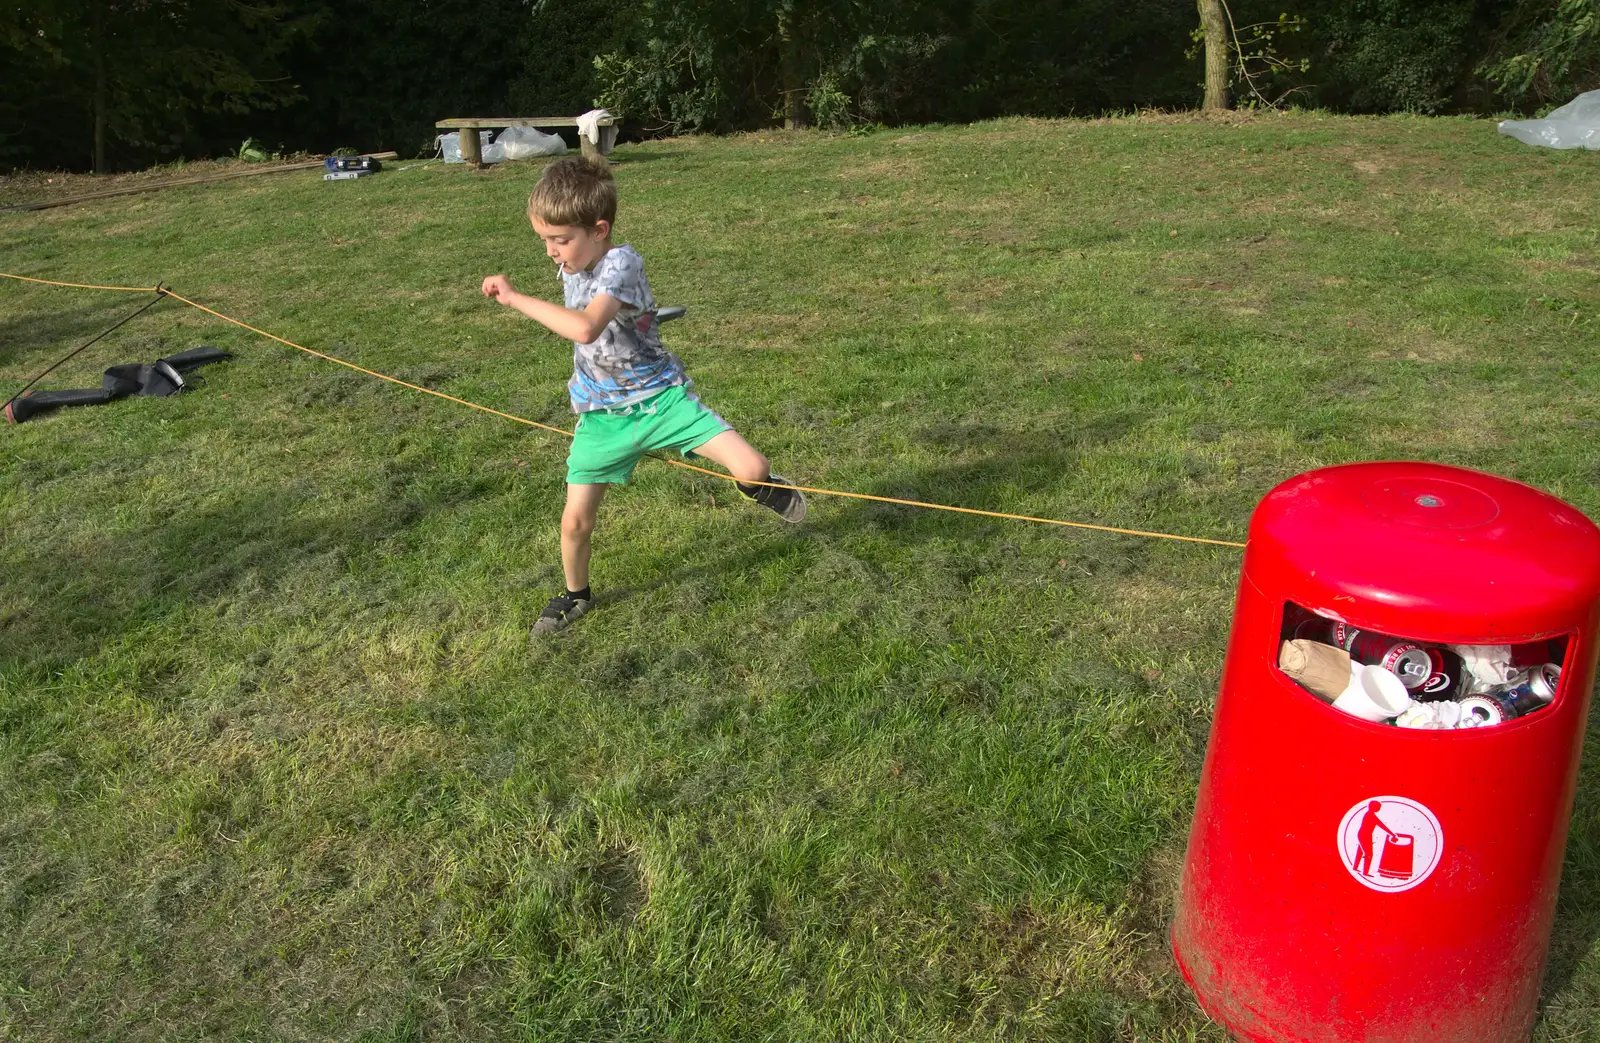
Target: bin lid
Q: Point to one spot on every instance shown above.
(1427, 551)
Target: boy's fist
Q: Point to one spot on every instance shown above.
(497, 286)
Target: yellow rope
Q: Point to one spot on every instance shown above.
(675, 463)
(368, 372)
(969, 510)
(79, 285)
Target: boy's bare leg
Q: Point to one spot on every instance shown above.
(748, 466)
(740, 457)
(577, 526)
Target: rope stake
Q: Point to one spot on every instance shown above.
(159, 293)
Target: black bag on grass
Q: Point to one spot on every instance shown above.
(160, 378)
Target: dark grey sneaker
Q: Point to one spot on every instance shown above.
(562, 612)
(786, 503)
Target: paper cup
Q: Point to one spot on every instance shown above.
(1374, 694)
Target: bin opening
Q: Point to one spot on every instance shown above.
(1413, 683)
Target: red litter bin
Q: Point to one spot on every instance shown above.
(1350, 880)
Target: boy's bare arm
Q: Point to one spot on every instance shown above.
(582, 326)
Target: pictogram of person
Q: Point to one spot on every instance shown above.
(1367, 837)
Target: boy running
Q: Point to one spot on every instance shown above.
(631, 395)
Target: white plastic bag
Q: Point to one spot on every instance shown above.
(1574, 125)
(526, 143)
(450, 148)
(513, 143)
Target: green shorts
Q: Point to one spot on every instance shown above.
(609, 442)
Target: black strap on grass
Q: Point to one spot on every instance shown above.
(160, 293)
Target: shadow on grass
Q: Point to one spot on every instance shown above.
(34, 339)
(1034, 464)
(1029, 462)
(80, 595)
(267, 544)
(627, 157)
(1005, 471)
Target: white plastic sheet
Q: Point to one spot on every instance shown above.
(526, 143)
(513, 143)
(1574, 125)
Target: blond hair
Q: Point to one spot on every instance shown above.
(574, 191)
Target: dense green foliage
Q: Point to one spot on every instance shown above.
(163, 72)
(1547, 48)
(186, 78)
(716, 65)
(1402, 55)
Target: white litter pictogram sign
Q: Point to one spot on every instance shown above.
(1390, 843)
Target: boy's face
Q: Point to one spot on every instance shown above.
(574, 247)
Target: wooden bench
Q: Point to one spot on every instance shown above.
(472, 153)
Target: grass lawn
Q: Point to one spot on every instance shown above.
(278, 760)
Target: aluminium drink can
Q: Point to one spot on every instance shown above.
(1410, 662)
(1534, 692)
(1430, 674)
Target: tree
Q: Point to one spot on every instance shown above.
(31, 62)
(1547, 50)
(1214, 25)
(377, 74)
(1401, 55)
(723, 64)
(563, 79)
(136, 77)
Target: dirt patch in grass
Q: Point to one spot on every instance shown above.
(1166, 118)
(621, 885)
(1421, 345)
(896, 167)
(1542, 215)
(977, 295)
(27, 186)
(769, 331)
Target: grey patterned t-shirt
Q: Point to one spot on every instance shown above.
(626, 362)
